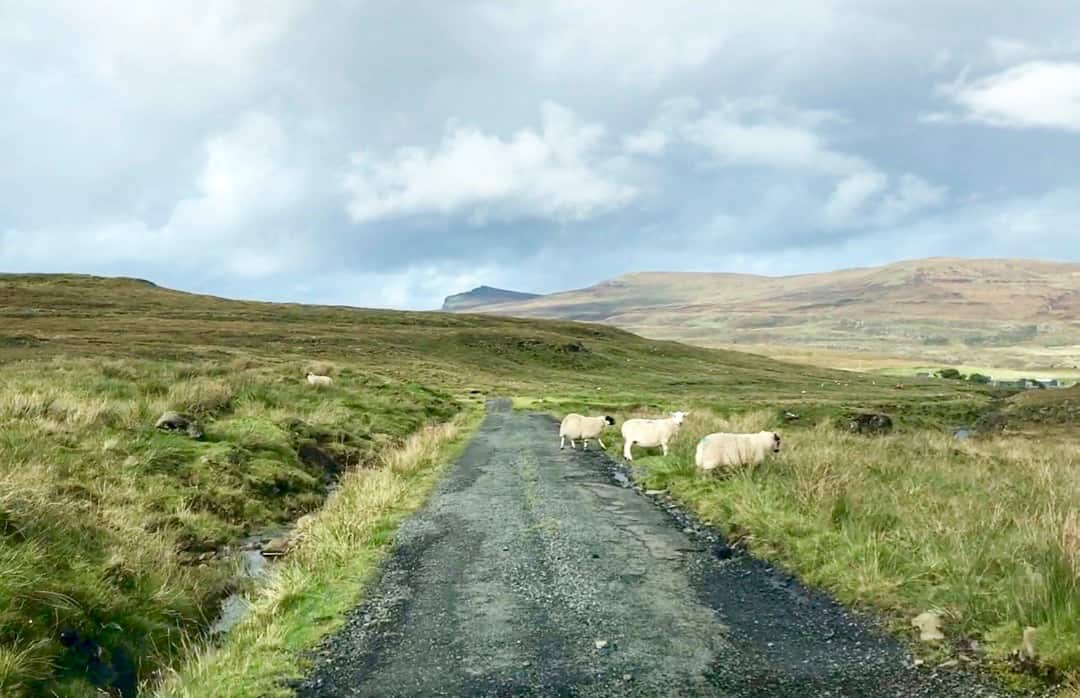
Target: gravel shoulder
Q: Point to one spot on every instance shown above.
(534, 571)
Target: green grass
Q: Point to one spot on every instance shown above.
(106, 524)
(985, 532)
(105, 521)
(324, 576)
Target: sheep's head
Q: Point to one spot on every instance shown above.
(610, 421)
(775, 442)
(679, 416)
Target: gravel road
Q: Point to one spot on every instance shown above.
(534, 572)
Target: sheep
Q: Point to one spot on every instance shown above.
(650, 433)
(735, 449)
(319, 381)
(575, 426)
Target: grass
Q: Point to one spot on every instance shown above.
(984, 531)
(110, 528)
(323, 577)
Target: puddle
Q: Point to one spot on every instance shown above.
(621, 478)
(253, 565)
(962, 433)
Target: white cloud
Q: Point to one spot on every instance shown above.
(642, 44)
(852, 194)
(1036, 94)
(648, 142)
(793, 143)
(765, 135)
(557, 172)
(232, 226)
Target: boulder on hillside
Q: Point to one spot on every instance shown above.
(870, 423)
(176, 422)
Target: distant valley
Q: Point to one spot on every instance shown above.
(1021, 314)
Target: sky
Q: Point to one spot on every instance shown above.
(387, 154)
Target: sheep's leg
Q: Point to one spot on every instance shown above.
(664, 447)
(585, 445)
(562, 442)
(598, 440)
(573, 446)
(626, 451)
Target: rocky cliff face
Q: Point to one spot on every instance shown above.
(483, 295)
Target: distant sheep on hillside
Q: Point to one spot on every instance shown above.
(575, 426)
(319, 381)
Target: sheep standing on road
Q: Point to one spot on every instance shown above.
(319, 381)
(575, 426)
(721, 449)
(650, 433)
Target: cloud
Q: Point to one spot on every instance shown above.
(385, 153)
(557, 172)
(236, 223)
(1036, 94)
(767, 135)
(649, 142)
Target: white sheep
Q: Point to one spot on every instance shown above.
(319, 381)
(650, 433)
(722, 449)
(575, 426)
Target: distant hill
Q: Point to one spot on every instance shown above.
(484, 295)
(1025, 311)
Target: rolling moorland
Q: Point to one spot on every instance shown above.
(1001, 313)
(117, 540)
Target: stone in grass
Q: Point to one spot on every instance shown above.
(929, 626)
(870, 423)
(176, 422)
(600, 644)
(276, 547)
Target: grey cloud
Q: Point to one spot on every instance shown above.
(388, 153)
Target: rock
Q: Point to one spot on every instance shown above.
(176, 422)
(601, 644)
(870, 423)
(929, 626)
(655, 493)
(790, 416)
(627, 677)
(949, 664)
(722, 551)
(276, 547)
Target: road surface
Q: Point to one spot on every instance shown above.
(534, 572)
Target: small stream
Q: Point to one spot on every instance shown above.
(253, 565)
